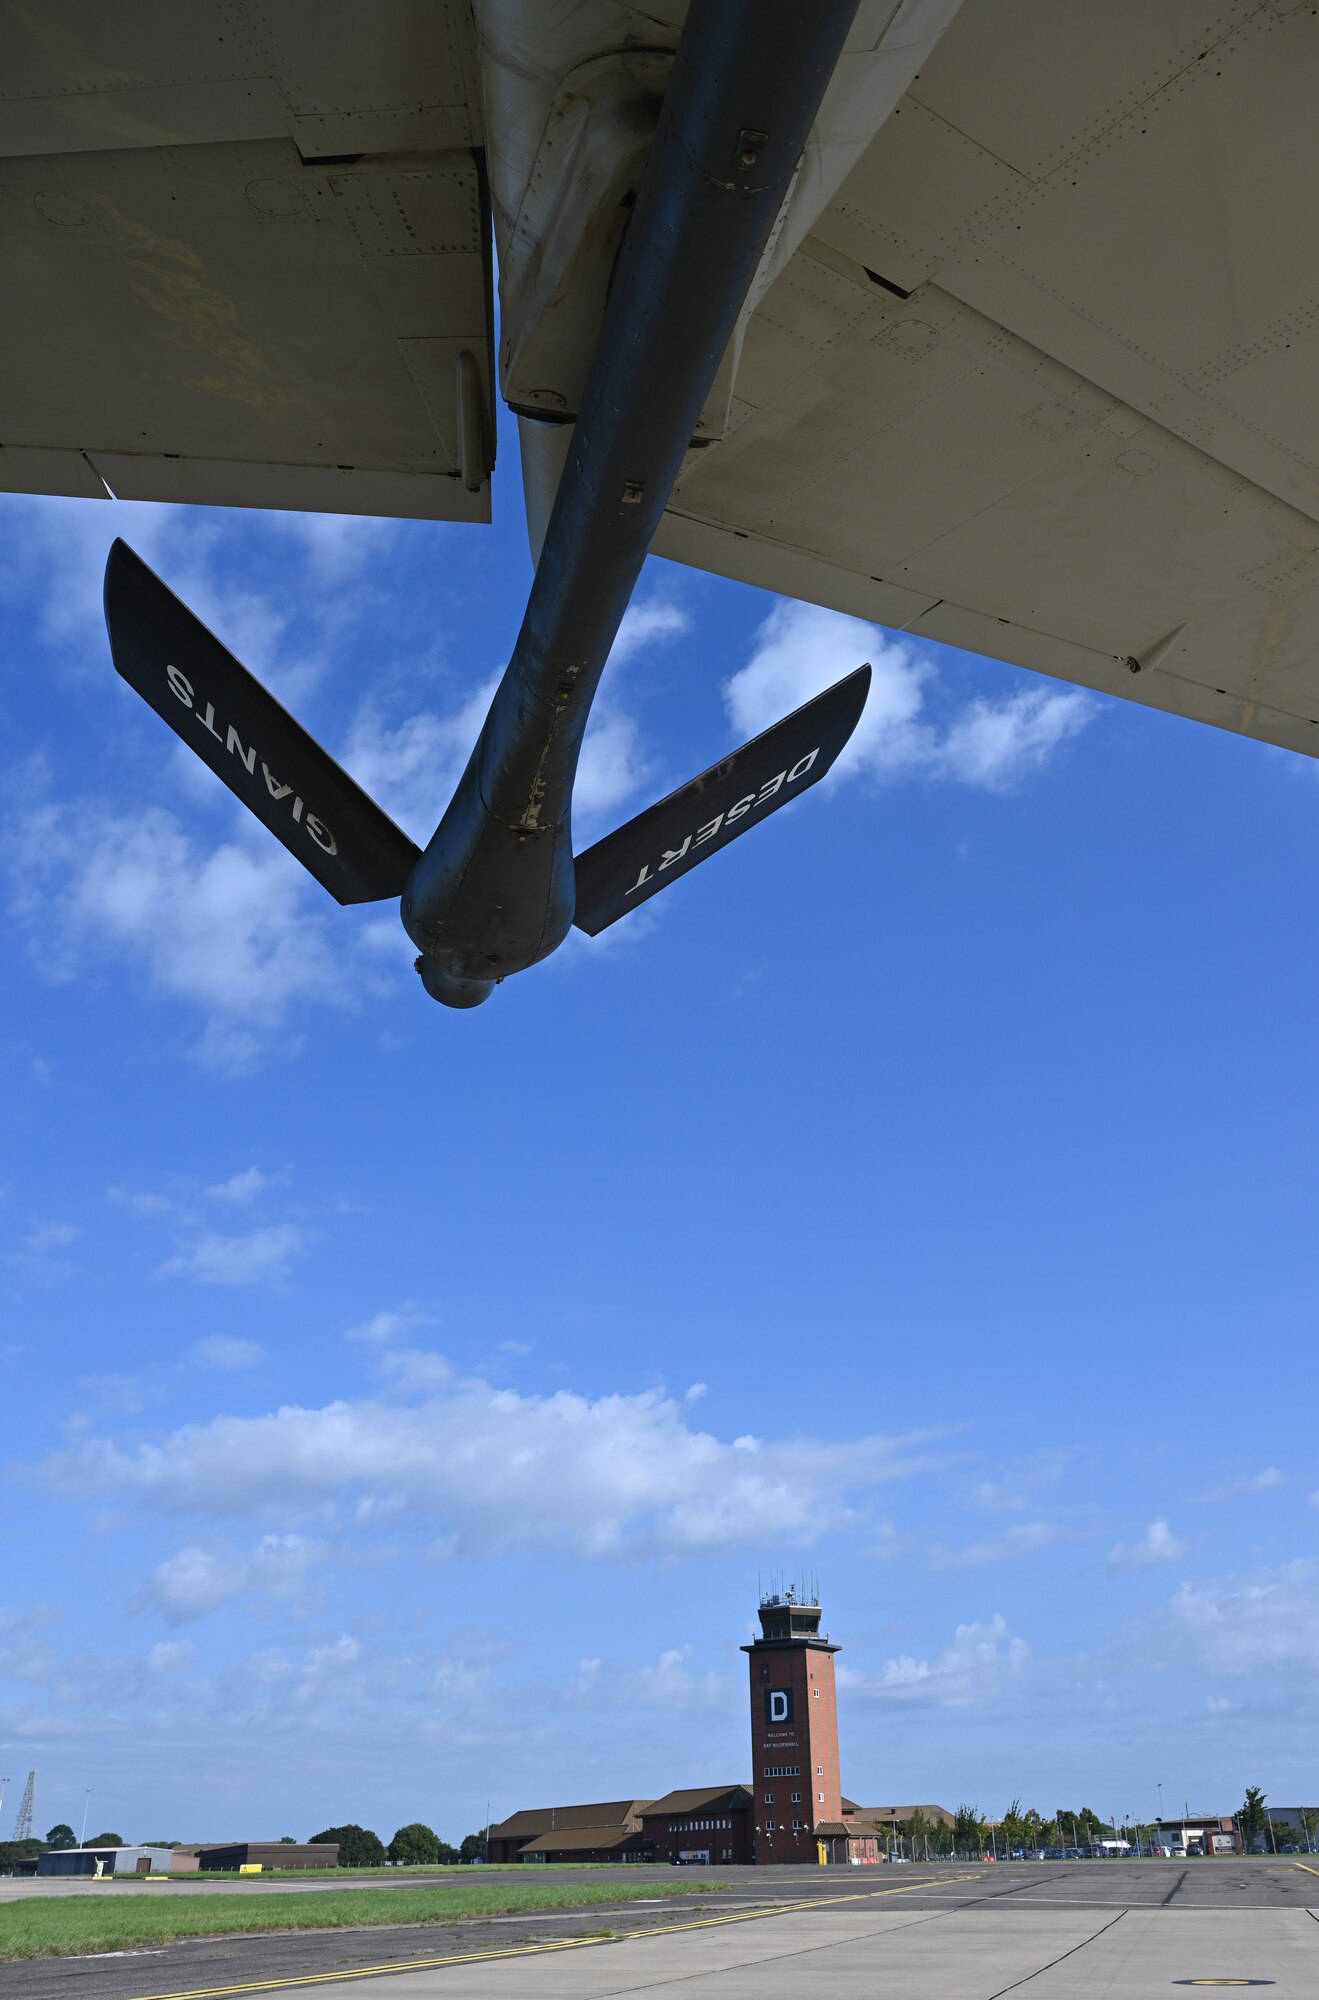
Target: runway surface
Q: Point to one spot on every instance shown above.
(1051, 1931)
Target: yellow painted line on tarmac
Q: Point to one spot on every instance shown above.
(1306, 1866)
(530, 1950)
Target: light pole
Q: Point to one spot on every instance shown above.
(4, 1787)
(1160, 1805)
(87, 1799)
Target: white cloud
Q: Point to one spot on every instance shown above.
(1021, 1482)
(1023, 1539)
(413, 765)
(143, 1201)
(497, 1469)
(992, 743)
(666, 1683)
(234, 929)
(284, 635)
(386, 1326)
(612, 765)
(337, 546)
(169, 1656)
(982, 1656)
(800, 650)
(261, 1257)
(1264, 1621)
(414, 1370)
(196, 1581)
(1252, 1482)
(653, 620)
(1157, 1545)
(240, 1188)
(41, 1255)
(191, 1583)
(222, 1350)
(224, 928)
(47, 1236)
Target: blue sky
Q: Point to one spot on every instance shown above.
(400, 1405)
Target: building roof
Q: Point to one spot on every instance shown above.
(579, 1839)
(887, 1815)
(727, 1798)
(1222, 1821)
(537, 1819)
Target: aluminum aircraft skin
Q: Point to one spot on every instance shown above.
(977, 318)
(498, 887)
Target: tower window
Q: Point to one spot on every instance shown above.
(821, 1798)
(769, 1798)
(796, 1798)
(816, 1693)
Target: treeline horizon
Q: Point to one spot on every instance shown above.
(415, 1845)
(1027, 1829)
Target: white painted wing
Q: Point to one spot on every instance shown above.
(245, 252)
(1092, 426)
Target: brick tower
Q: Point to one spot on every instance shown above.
(794, 1728)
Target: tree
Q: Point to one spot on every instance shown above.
(447, 1856)
(415, 1846)
(1253, 1816)
(162, 1843)
(61, 1836)
(968, 1833)
(1015, 1829)
(107, 1840)
(474, 1845)
(1310, 1821)
(12, 1852)
(358, 1846)
(287, 1840)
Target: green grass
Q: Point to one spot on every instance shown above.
(99, 1920)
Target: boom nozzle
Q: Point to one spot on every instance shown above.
(448, 988)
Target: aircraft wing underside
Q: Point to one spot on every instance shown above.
(246, 255)
(1041, 380)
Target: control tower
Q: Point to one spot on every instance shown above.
(794, 1727)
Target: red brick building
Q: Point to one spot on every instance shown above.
(794, 1730)
(702, 1828)
(793, 1810)
(607, 1831)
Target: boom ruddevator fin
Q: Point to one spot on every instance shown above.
(267, 760)
(670, 837)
